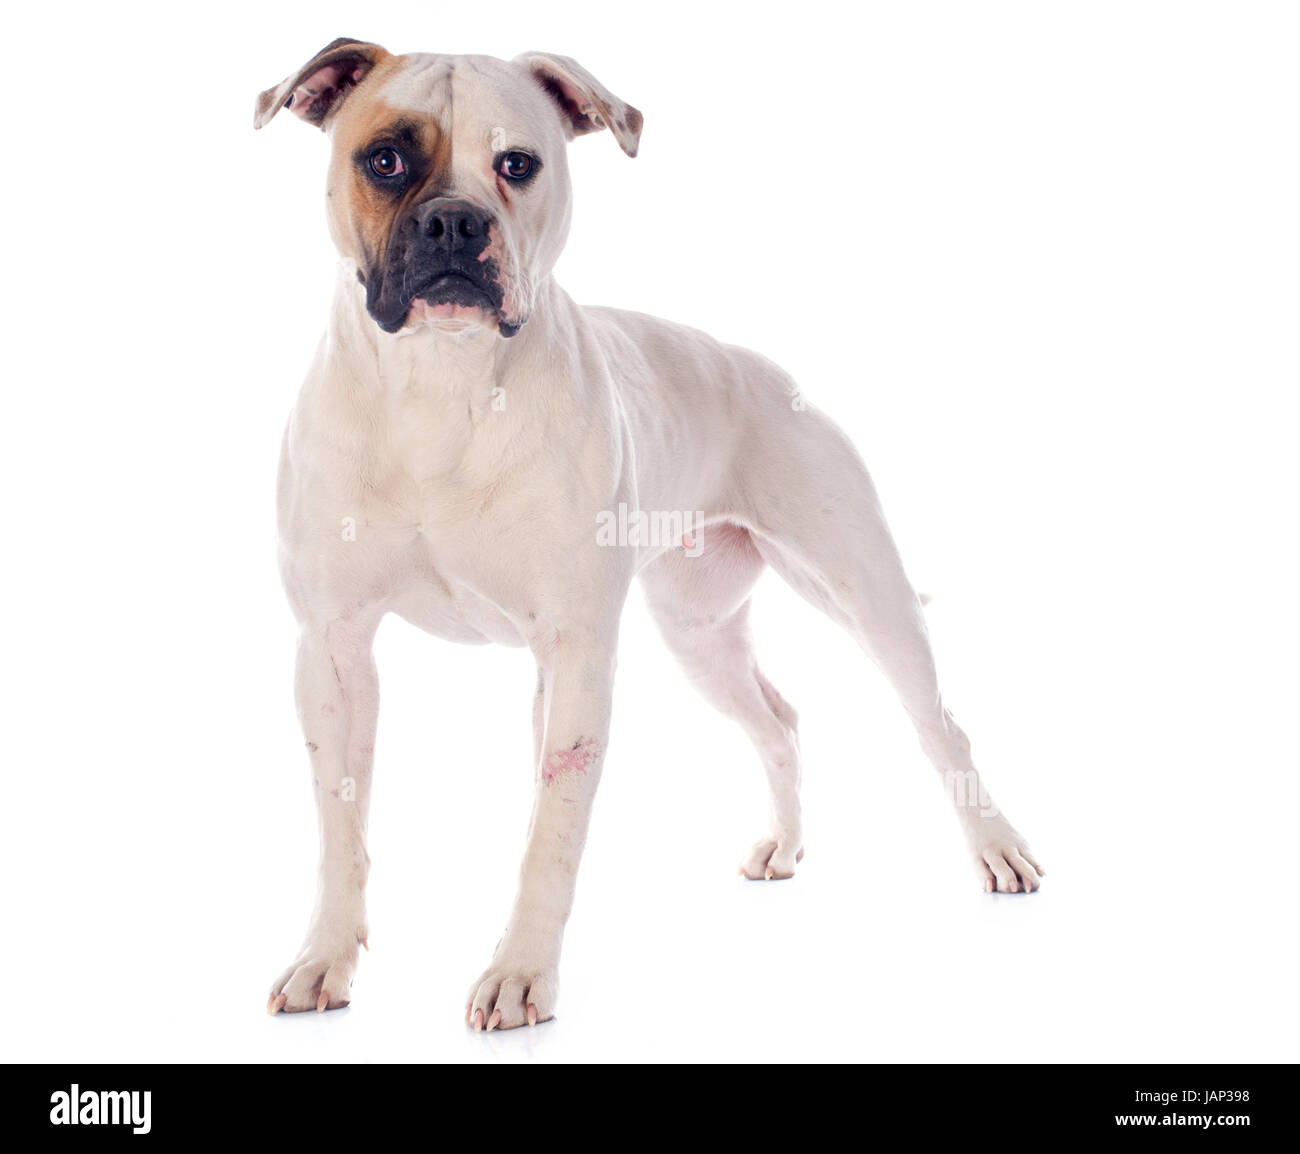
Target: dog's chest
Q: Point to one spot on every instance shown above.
(420, 498)
(423, 444)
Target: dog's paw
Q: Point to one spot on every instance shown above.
(772, 860)
(320, 978)
(1001, 857)
(510, 993)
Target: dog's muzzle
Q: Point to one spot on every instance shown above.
(442, 259)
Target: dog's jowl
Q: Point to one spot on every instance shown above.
(464, 440)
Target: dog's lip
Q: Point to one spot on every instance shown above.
(452, 278)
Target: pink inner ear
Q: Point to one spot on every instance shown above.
(577, 104)
(312, 97)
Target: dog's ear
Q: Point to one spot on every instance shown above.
(585, 104)
(322, 84)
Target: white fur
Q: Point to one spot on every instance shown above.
(473, 470)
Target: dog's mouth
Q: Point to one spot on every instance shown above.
(454, 301)
(450, 299)
(454, 288)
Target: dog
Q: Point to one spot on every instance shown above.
(461, 441)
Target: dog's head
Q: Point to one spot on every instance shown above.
(448, 184)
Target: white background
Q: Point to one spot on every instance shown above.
(1039, 259)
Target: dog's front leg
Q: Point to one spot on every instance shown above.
(522, 982)
(338, 704)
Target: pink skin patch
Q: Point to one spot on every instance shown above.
(573, 760)
(495, 252)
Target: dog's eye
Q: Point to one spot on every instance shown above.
(386, 162)
(516, 165)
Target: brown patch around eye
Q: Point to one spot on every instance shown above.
(371, 209)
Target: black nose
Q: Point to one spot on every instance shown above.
(456, 223)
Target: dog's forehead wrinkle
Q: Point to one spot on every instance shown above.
(451, 90)
(422, 84)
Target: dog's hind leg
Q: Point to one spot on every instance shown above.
(701, 604)
(814, 516)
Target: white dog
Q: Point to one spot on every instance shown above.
(463, 440)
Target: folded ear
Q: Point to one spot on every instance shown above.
(322, 84)
(585, 104)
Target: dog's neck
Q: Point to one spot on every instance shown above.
(468, 362)
(445, 403)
